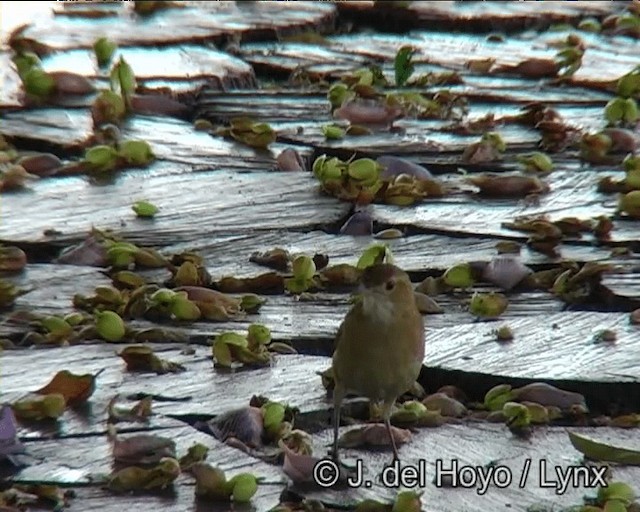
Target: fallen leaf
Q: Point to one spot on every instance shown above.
(604, 452)
(373, 435)
(134, 478)
(9, 442)
(140, 412)
(244, 424)
(76, 389)
(141, 449)
(548, 395)
(276, 258)
(141, 358)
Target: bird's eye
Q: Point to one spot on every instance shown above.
(390, 285)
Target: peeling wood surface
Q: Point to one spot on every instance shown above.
(84, 460)
(474, 16)
(606, 58)
(198, 22)
(200, 390)
(247, 202)
(468, 445)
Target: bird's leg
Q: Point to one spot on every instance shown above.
(386, 415)
(338, 395)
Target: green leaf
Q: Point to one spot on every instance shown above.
(614, 506)
(123, 80)
(104, 50)
(101, 158)
(377, 253)
(403, 65)
(596, 450)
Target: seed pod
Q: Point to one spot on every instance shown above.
(630, 204)
(508, 186)
(184, 309)
(56, 326)
(259, 334)
(332, 132)
(12, 258)
(71, 83)
(497, 396)
(616, 491)
(364, 169)
(104, 50)
(506, 271)
(144, 209)
(108, 295)
(504, 333)
(290, 161)
(303, 268)
(109, 326)
(459, 276)
(210, 481)
(244, 487)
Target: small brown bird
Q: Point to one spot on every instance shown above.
(379, 347)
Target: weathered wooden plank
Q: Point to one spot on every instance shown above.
(172, 63)
(486, 217)
(182, 501)
(481, 446)
(183, 69)
(540, 343)
(198, 390)
(551, 347)
(81, 461)
(180, 72)
(220, 201)
(606, 58)
(228, 254)
(451, 15)
(69, 131)
(11, 89)
(310, 324)
(199, 22)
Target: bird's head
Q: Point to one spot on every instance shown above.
(384, 288)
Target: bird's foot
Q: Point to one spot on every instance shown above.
(340, 463)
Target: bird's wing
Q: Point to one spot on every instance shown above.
(354, 311)
(336, 340)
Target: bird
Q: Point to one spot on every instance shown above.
(379, 347)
